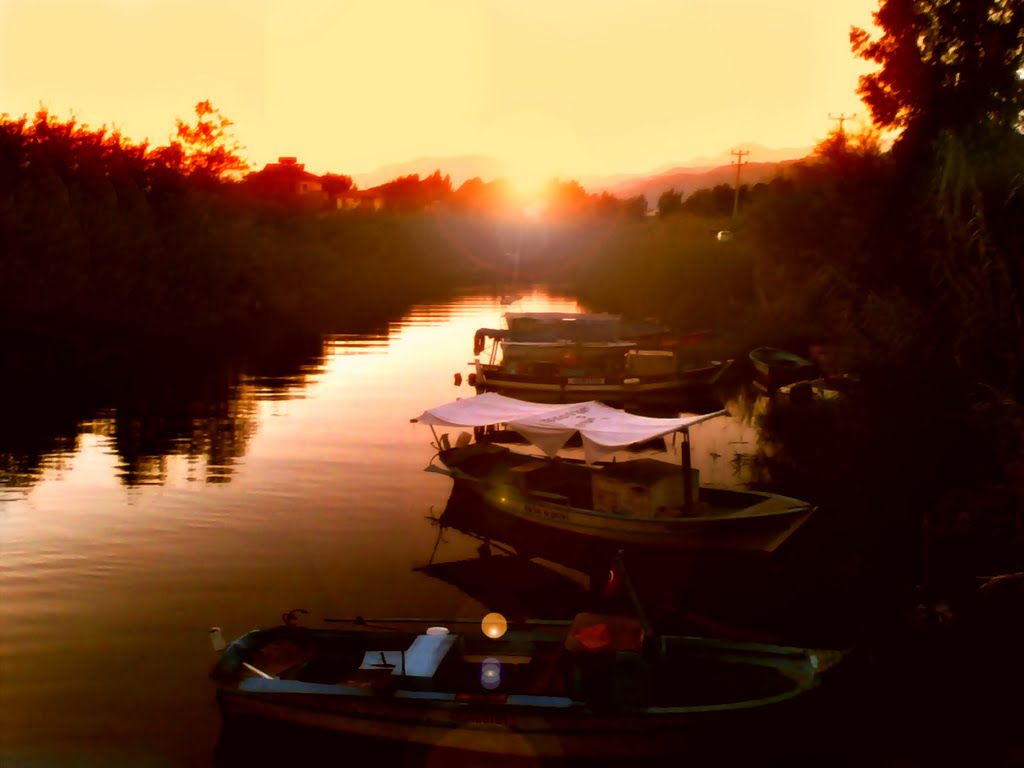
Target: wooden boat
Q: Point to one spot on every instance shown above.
(571, 357)
(640, 502)
(601, 685)
(774, 368)
(822, 389)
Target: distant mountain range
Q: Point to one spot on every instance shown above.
(689, 180)
(762, 164)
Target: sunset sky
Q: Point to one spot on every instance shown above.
(571, 88)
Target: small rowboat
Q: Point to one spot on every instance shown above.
(774, 368)
(601, 685)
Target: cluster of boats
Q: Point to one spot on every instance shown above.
(566, 356)
(608, 683)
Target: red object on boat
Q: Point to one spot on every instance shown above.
(458, 379)
(604, 633)
(595, 637)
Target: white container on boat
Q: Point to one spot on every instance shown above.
(217, 639)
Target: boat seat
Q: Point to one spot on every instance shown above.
(425, 655)
(414, 666)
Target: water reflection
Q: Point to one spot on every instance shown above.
(153, 411)
(212, 428)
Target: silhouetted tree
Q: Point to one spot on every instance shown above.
(670, 202)
(945, 65)
(206, 150)
(336, 183)
(410, 193)
(635, 207)
(567, 198)
(481, 196)
(717, 201)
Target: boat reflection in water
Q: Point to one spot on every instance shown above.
(553, 673)
(525, 569)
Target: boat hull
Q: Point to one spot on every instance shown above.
(495, 731)
(733, 684)
(606, 388)
(763, 525)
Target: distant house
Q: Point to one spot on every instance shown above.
(286, 179)
(360, 200)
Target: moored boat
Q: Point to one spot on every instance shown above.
(822, 389)
(641, 502)
(775, 367)
(570, 357)
(600, 685)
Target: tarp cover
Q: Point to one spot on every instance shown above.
(603, 429)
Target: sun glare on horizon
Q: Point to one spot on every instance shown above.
(537, 90)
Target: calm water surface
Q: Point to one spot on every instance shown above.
(122, 546)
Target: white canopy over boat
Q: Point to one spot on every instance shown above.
(604, 429)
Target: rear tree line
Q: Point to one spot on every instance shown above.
(914, 258)
(911, 260)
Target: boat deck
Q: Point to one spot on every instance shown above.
(479, 668)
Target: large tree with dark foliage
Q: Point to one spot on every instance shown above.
(945, 65)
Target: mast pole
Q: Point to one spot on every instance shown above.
(687, 472)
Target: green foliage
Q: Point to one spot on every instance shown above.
(671, 268)
(718, 201)
(107, 242)
(920, 285)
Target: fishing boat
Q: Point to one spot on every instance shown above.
(639, 502)
(774, 368)
(596, 686)
(570, 357)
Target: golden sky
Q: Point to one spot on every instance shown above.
(546, 87)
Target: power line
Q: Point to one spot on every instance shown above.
(738, 162)
(841, 118)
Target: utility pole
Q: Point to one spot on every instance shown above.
(739, 162)
(841, 118)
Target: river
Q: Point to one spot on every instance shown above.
(144, 525)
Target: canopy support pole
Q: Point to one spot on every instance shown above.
(687, 471)
(634, 598)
